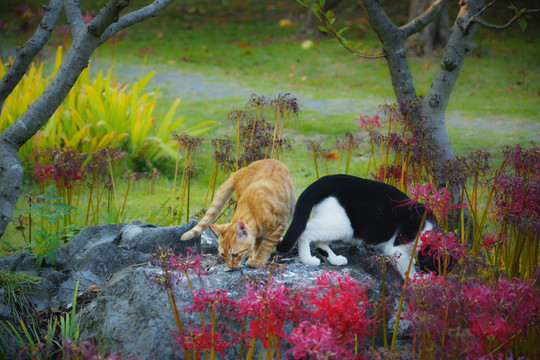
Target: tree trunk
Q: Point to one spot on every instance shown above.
(436, 100)
(86, 38)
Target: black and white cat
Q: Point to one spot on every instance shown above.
(359, 211)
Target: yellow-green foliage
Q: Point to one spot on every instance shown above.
(98, 112)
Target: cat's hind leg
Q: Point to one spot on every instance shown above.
(329, 222)
(304, 252)
(331, 257)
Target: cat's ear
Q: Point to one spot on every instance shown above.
(241, 230)
(219, 229)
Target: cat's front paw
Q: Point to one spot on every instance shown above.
(255, 264)
(338, 260)
(311, 261)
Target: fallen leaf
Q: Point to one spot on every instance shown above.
(244, 45)
(306, 44)
(333, 156)
(285, 23)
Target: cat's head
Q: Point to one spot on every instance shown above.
(235, 242)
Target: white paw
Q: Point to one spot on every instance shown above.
(311, 261)
(338, 260)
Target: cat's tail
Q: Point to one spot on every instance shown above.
(223, 194)
(302, 210)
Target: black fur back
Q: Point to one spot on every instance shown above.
(375, 210)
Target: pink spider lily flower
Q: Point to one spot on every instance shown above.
(217, 299)
(42, 172)
(316, 342)
(441, 250)
(203, 338)
(436, 200)
(268, 308)
(192, 261)
(368, 122)
(341, 302)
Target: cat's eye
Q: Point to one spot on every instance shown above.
(222, 255)
(234, 255)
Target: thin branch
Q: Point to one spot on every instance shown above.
(419, 23)
(74, 16)
(379, 20)
(328, 25)
(134, 17)
(27, 52)
(501, 27)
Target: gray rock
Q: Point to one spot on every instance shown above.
(132, 312)
(91, 258)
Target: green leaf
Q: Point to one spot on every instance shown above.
(522, 24)
(330, 14)
(323, 28)
(342, 30)
(302, 2)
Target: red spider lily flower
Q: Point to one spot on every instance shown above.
(489, 240)
(341, 302)
(442, 247)
(388, 172)
(192, 261)
(490, 326)
(518, 201)
(315, 341)
(217, 299)
(200, 339)
(484, 316)
(42, 172)
(436, 200)
(368, 122)
(268, 306)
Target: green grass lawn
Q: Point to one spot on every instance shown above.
(231, 52)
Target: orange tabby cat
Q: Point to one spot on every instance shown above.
(266, 198)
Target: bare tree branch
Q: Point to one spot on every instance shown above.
(380, 22)
(74, 16)
(86, 38)
(27, 52)
(134, 17)
(419, 23)
(487, 25)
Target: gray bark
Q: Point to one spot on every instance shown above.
(86, 38)
(436, 100)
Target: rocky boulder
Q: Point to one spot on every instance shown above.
(131, 312)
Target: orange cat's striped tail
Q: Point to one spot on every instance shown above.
(223, 194)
